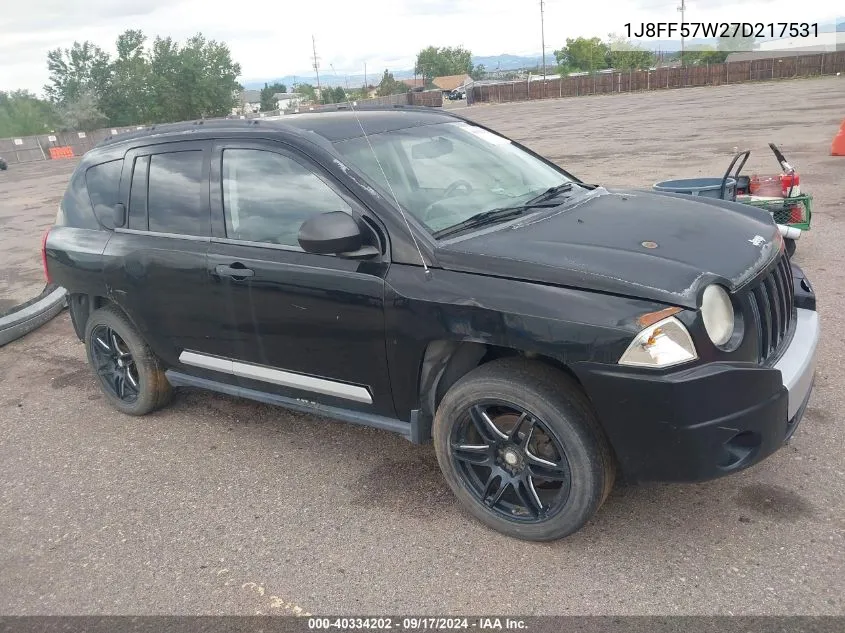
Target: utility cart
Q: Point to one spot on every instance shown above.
(779, 194)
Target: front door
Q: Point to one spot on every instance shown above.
(312, 325)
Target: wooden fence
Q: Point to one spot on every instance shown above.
(659, 79)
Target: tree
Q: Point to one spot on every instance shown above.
(478, 72)
(82, 114)
(437, 62)
(22, 114)
(582, 54)
(82, 68)
(339, 95)
(267, 92)
(307, 91)
(625, 55)
(704, 55)
(389, 85)
(168, 82)
(126, 100)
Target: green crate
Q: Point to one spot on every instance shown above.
(782, 209)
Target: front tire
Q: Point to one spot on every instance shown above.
(130, 375)
(519, 445)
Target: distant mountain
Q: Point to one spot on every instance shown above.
(329, 79)
(490, 62)
(511, 62)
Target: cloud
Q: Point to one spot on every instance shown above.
(34, 15)
(271, 38)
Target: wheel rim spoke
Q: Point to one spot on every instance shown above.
(528, 497)
(547, 470)
(485, 426)
(478, 454)
(514, 434)
(493, 492)
(131, 379)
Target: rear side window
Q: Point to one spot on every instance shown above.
(174, 195)
(103, 183)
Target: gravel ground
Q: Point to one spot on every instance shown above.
(222, 506)
(29, 198)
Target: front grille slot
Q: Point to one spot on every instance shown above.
(773, 304)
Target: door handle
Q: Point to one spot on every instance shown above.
(236, 271)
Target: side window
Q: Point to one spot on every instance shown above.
(103, 183)
(267, 196)
(138, 194)
(174, 195)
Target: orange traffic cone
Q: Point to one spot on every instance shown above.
(837, 148)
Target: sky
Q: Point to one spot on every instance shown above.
(272, 38)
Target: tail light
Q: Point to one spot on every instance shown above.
(44, 256)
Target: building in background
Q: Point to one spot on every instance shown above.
(451, 82)
(248, 102)
(288, 100)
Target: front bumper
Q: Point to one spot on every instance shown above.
(706, 421)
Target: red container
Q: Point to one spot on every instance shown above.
(769, 186)
(782, 185)
(789, 185)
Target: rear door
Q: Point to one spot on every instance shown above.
(156, 264)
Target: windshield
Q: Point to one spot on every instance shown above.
(445, 173)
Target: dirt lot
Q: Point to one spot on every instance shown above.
(29, 198)
(223, 506)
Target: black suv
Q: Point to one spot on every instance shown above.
(412, 271)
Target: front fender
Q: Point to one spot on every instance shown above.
(565, 324)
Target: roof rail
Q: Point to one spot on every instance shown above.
(384, 107)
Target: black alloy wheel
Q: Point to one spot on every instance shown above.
(130, 375)
(520, 446)
(114, 364)
(511, 461)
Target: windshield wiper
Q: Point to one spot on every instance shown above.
(548, 194)
(481, 219)
(505, 213)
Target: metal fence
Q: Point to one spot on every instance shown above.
(660, 78)
(25, 149)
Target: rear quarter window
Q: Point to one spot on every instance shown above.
(103, 183)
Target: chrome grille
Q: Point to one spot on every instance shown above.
(773, 305)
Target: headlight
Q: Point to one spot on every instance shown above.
(718, 314)
(663, 344)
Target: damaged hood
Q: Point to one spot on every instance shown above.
(664, 247)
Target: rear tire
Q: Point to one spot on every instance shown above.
(130, 375)
(550, 455)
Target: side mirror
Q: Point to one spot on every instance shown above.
(334, 233)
